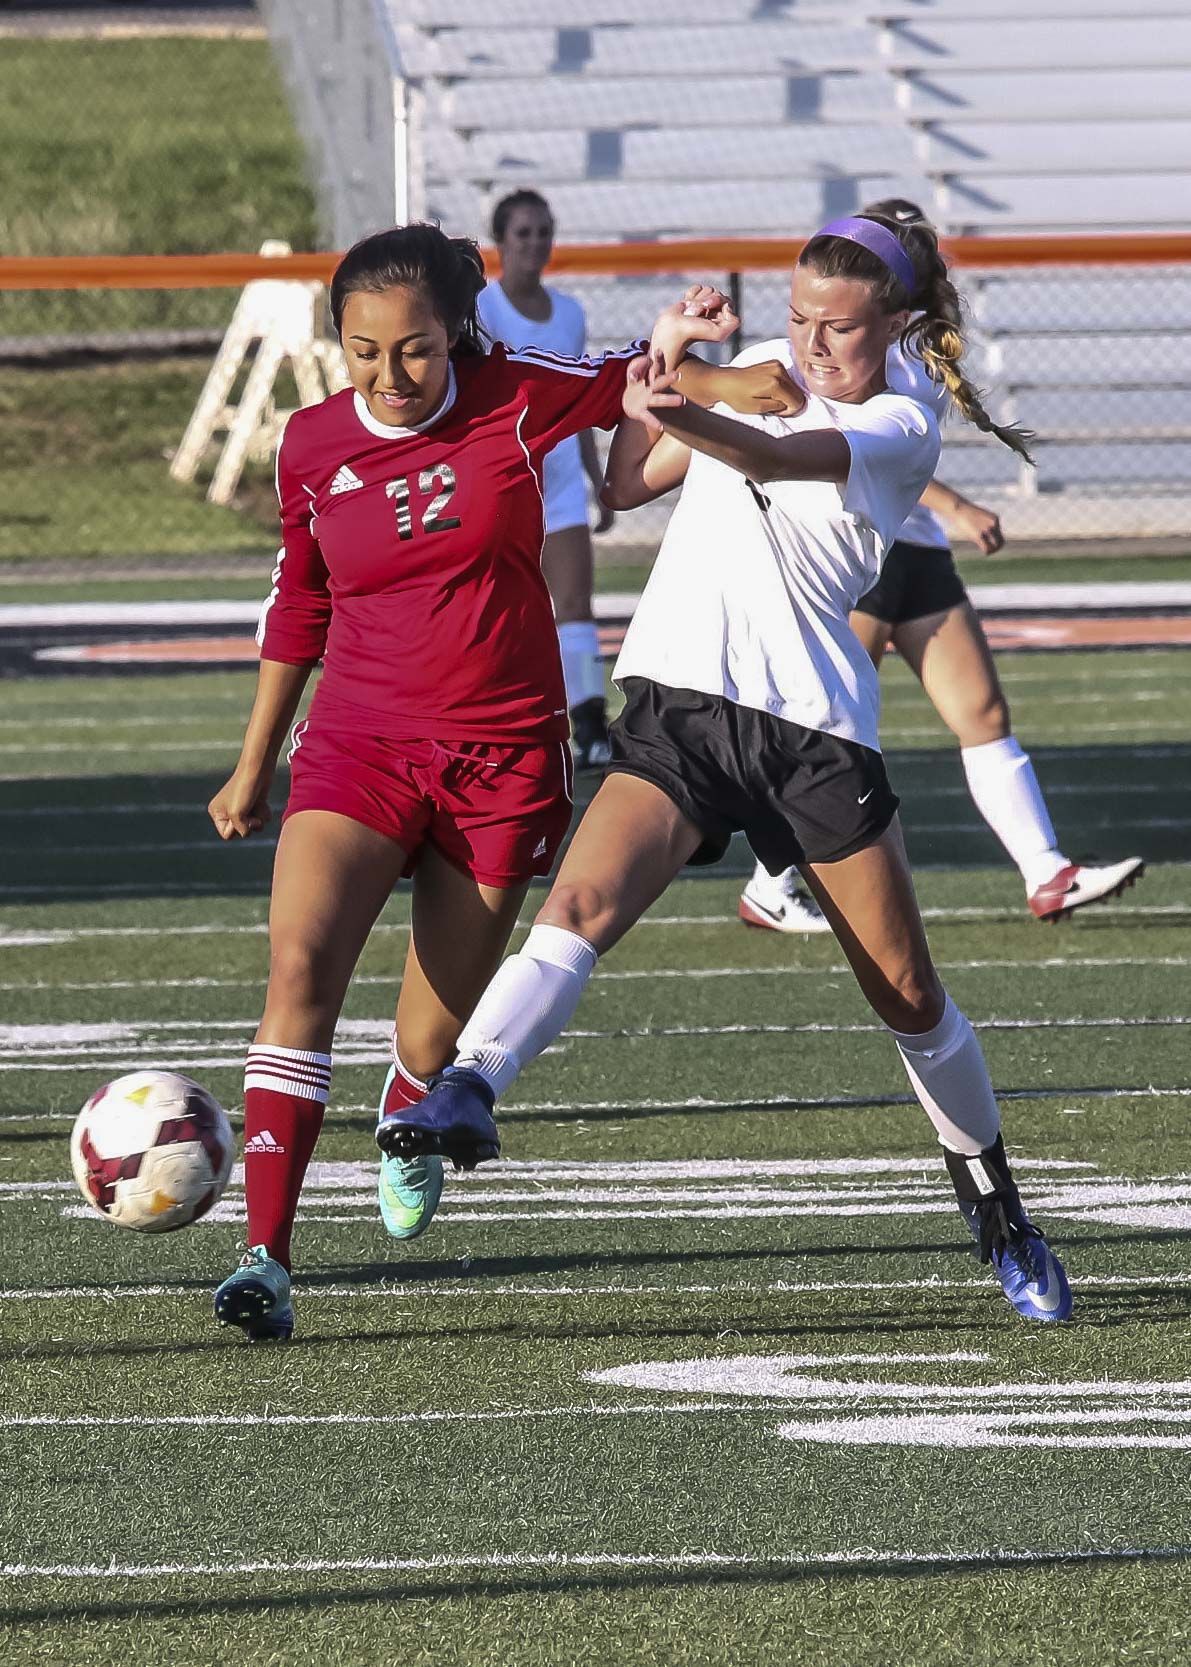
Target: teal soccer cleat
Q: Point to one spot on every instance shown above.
(408, 1188)
(257, 1299)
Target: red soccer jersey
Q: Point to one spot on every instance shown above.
(411, 558)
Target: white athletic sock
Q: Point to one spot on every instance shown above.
(947, 1072)
(1005, 789)
(582, 667)
(526, 1006)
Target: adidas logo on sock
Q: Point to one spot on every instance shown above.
(263, 1141)
(345, 480)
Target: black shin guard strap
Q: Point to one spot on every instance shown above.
(985, 1185)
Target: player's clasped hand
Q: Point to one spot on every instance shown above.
(766, 390)
(982, 527)
(703, 314)
(241, 807)
(649, 388)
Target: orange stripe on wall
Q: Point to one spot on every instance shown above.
(231, 271)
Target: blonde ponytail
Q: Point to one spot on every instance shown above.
(936, 337)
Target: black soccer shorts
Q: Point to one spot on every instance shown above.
(798, 794)
(916, 579)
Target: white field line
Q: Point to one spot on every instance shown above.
(492, 1562)
(258, 842)
(96, 813)
(68, 720)
(170, 1051)
(368, 980)
(1086, 696)
(266, 842)
(972, 826)
(158, 888)
(26, 1056)
(261, 1420)
(576, 1108)
(437, 1291)
(890, 736)
(98, 749)
(911, 698)
(42, 937)
(740, 1405)
(178, 808)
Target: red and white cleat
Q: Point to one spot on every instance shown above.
(780, 905)
(1074, 887)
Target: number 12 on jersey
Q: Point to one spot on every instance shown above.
(433, 519)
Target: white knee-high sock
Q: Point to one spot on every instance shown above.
(582, 667)
(947, 1072)
(1005, 790)
(526, 1006)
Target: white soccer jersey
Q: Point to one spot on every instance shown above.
(750, 594)
(906, 374)
(564, 483)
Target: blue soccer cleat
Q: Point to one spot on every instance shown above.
(408, 1189)
(1031, 1275)
(454, 1121)
(257, 1298)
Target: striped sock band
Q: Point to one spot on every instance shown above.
(289, 1071)
(404, 1089)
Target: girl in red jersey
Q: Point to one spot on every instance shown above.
(436, 743)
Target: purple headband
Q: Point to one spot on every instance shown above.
(879, 241)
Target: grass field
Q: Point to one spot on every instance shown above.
(702, 1374)
(147, 146)
(78, 488)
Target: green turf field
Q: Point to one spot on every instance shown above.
(702, 1374)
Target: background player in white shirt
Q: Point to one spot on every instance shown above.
(759, 711)
(519, 309)
(920, 605)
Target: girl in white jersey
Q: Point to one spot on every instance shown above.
(920, 605)
(519, 309)
(761, 714)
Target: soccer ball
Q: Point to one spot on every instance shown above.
(152, 1151)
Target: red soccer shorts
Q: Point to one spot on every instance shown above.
(499, 813)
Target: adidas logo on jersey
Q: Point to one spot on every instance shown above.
(262, 1142)
(345, 480)
(539, 849)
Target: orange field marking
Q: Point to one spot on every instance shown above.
(1004, 632)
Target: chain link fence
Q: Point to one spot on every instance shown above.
(1097, 362)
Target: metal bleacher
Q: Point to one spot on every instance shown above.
(642, 120)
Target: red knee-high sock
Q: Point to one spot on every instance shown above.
(285, 1093)
(404, 1090)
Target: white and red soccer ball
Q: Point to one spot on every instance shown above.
(152, 1151)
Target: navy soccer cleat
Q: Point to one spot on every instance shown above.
(1031, 1275)
(454, 1121)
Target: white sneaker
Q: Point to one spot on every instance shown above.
(780, 904)
(1073, 887)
